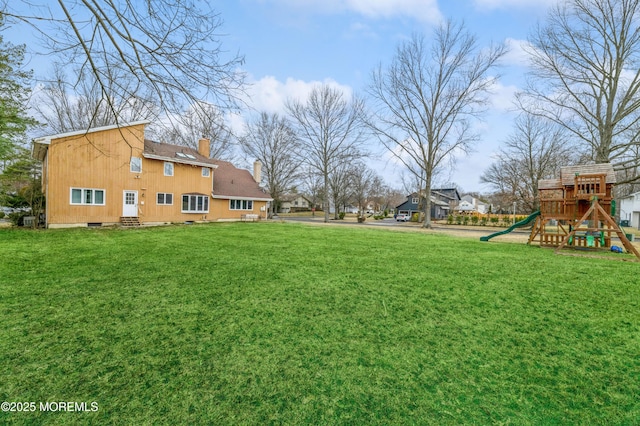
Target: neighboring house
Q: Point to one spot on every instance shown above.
(294, 202)
(439, 208)
(629, 208)
(472, 204)
(113, 174)
(451, 196)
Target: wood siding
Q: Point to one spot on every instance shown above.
(101, 160)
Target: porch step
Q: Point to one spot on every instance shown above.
(130, 221)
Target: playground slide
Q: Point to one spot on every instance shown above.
(523, 222)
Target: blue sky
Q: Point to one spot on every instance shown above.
(291, 45)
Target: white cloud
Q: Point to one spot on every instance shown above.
(270, 95)
(423, 10)
(503, 4)
(502, 97)
(517, 54)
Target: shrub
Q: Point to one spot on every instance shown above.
(495, 220)
(17, 218)
(450, 219)
(474, 220)
(483, 221)
(1, 215)
(458, 220)
(341, 215)
(386, 213)
(465, 220)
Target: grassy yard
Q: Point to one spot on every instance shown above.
(284, 323)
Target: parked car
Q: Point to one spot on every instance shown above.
(403, 217)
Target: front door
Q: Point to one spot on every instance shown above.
(130, 204)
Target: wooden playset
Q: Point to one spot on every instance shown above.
(577, 210)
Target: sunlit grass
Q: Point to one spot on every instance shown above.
(283, 323)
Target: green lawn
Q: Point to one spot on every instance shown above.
(283, 323)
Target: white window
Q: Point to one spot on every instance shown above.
(206, 172)
(415, 200)
(194, 203)
(168, 168)
(86, 196)
(135, 165)
(164, 198)
(240, 204)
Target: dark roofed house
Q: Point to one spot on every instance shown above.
(440, 204)
(236, 192)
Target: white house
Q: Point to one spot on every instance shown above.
(290, 203)
(471, 204)
(629, 208)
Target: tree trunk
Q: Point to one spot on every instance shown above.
(325, 203)
(427, 202)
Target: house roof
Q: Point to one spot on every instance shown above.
(434, 201)
(437, 202)
(231, 182)
(630, 196)
(175, 153)
(291, 197)
(451, 193)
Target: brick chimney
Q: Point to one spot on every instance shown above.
(203, 147)
(257, 171)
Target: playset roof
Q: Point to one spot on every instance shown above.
(568, 174)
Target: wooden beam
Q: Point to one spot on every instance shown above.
(623, 238)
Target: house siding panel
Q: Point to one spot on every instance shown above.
(100, 160)
(97, 160)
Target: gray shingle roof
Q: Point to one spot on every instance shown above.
(175, 153)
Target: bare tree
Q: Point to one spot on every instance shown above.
(270, 139)
(340, 187)
(362, 181)
(378, 193)
(426, 99)
(393, 198)
(330, 130)
(64, 106)
(585, 77)
(171, 48)
(202, 120)
(313, 187)
(535, 150)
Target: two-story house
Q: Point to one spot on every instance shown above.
(440, 206)
(112, 174)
